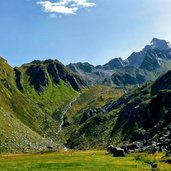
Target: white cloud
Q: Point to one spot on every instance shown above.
(65, 6)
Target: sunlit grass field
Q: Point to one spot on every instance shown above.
(76, 161)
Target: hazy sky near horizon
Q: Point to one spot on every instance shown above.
(93, 31)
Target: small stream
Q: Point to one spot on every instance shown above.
(66, 109)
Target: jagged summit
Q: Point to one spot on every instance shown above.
(160, 44)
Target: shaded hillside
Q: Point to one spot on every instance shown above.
(18, 115)
(128, 76)
(84, 115)
(31, 100)
(143, 114)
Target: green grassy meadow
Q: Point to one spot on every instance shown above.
(76, 161)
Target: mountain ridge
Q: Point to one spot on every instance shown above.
(153, 58)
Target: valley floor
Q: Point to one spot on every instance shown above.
(76, 161)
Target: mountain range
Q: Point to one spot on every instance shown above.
(140, 67)
(45, 105)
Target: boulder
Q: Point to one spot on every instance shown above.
(124, 147)
(117, 152)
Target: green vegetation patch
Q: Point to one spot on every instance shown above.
(76, 161)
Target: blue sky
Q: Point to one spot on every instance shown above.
(80, 30)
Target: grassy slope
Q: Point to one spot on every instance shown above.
(26, 117)
(15, 112)
(95, 97)
(142, 109)
(17, 137)
(53, 95)
(129, 112)
(51, 101)
(132, 113)
(85, 134)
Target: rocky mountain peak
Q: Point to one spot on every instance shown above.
(160, 44)
(136, 59)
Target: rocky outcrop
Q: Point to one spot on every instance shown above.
(18, 79)
(37, 77)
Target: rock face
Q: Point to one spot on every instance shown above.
(160, 44)
(37, 77)
(152, 60)
(18, 78)
(136, 58)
